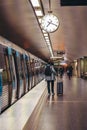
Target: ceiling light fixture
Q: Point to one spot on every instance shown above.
(35, 3)
(47, 40)
(45, 34)
(44, 31)
(39, 19)
(48, 44)
(39, 13)
(49, 22)
(56, 57)
(38, 8)
(46, 37)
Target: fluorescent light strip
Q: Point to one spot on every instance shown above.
(47, 40)
(51, 50)
(48, 44)
(46, 37)
(45, 34)
(56, 57)
(39, 19)
(44, 31)
(35, 3)
(39, 13)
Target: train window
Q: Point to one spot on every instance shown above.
(3, 65)
(4, 77)
(2, 60)
(19, 66)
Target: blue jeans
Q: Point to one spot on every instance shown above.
(52, 86)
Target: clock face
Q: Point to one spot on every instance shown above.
(49, 23)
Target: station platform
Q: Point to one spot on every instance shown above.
(37, 111)
(24, 114)
(67, 112)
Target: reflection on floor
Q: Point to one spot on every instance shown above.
(67, 112)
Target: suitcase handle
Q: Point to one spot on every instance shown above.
(59, 79)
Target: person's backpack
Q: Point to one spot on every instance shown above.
(48, 71)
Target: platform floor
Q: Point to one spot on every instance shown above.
(67, 112)
(17, 116)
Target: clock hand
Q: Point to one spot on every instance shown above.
(54, 24)
(50, 20)
(48, 23)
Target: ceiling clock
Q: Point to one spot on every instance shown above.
(49, 23)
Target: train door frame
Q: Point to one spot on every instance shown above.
(24, 72)
(32, 73)
(20, 85)
(12, 67)
(1, 90)
(4, 82)
(29, 72)
(27, 67)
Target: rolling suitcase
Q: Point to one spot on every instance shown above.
(60, 88)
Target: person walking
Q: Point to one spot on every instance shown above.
(69, 71)
(50, 74)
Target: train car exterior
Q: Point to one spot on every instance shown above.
(20, 71)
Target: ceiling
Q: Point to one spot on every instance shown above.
(19, 24)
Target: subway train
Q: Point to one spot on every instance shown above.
(20, 71)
